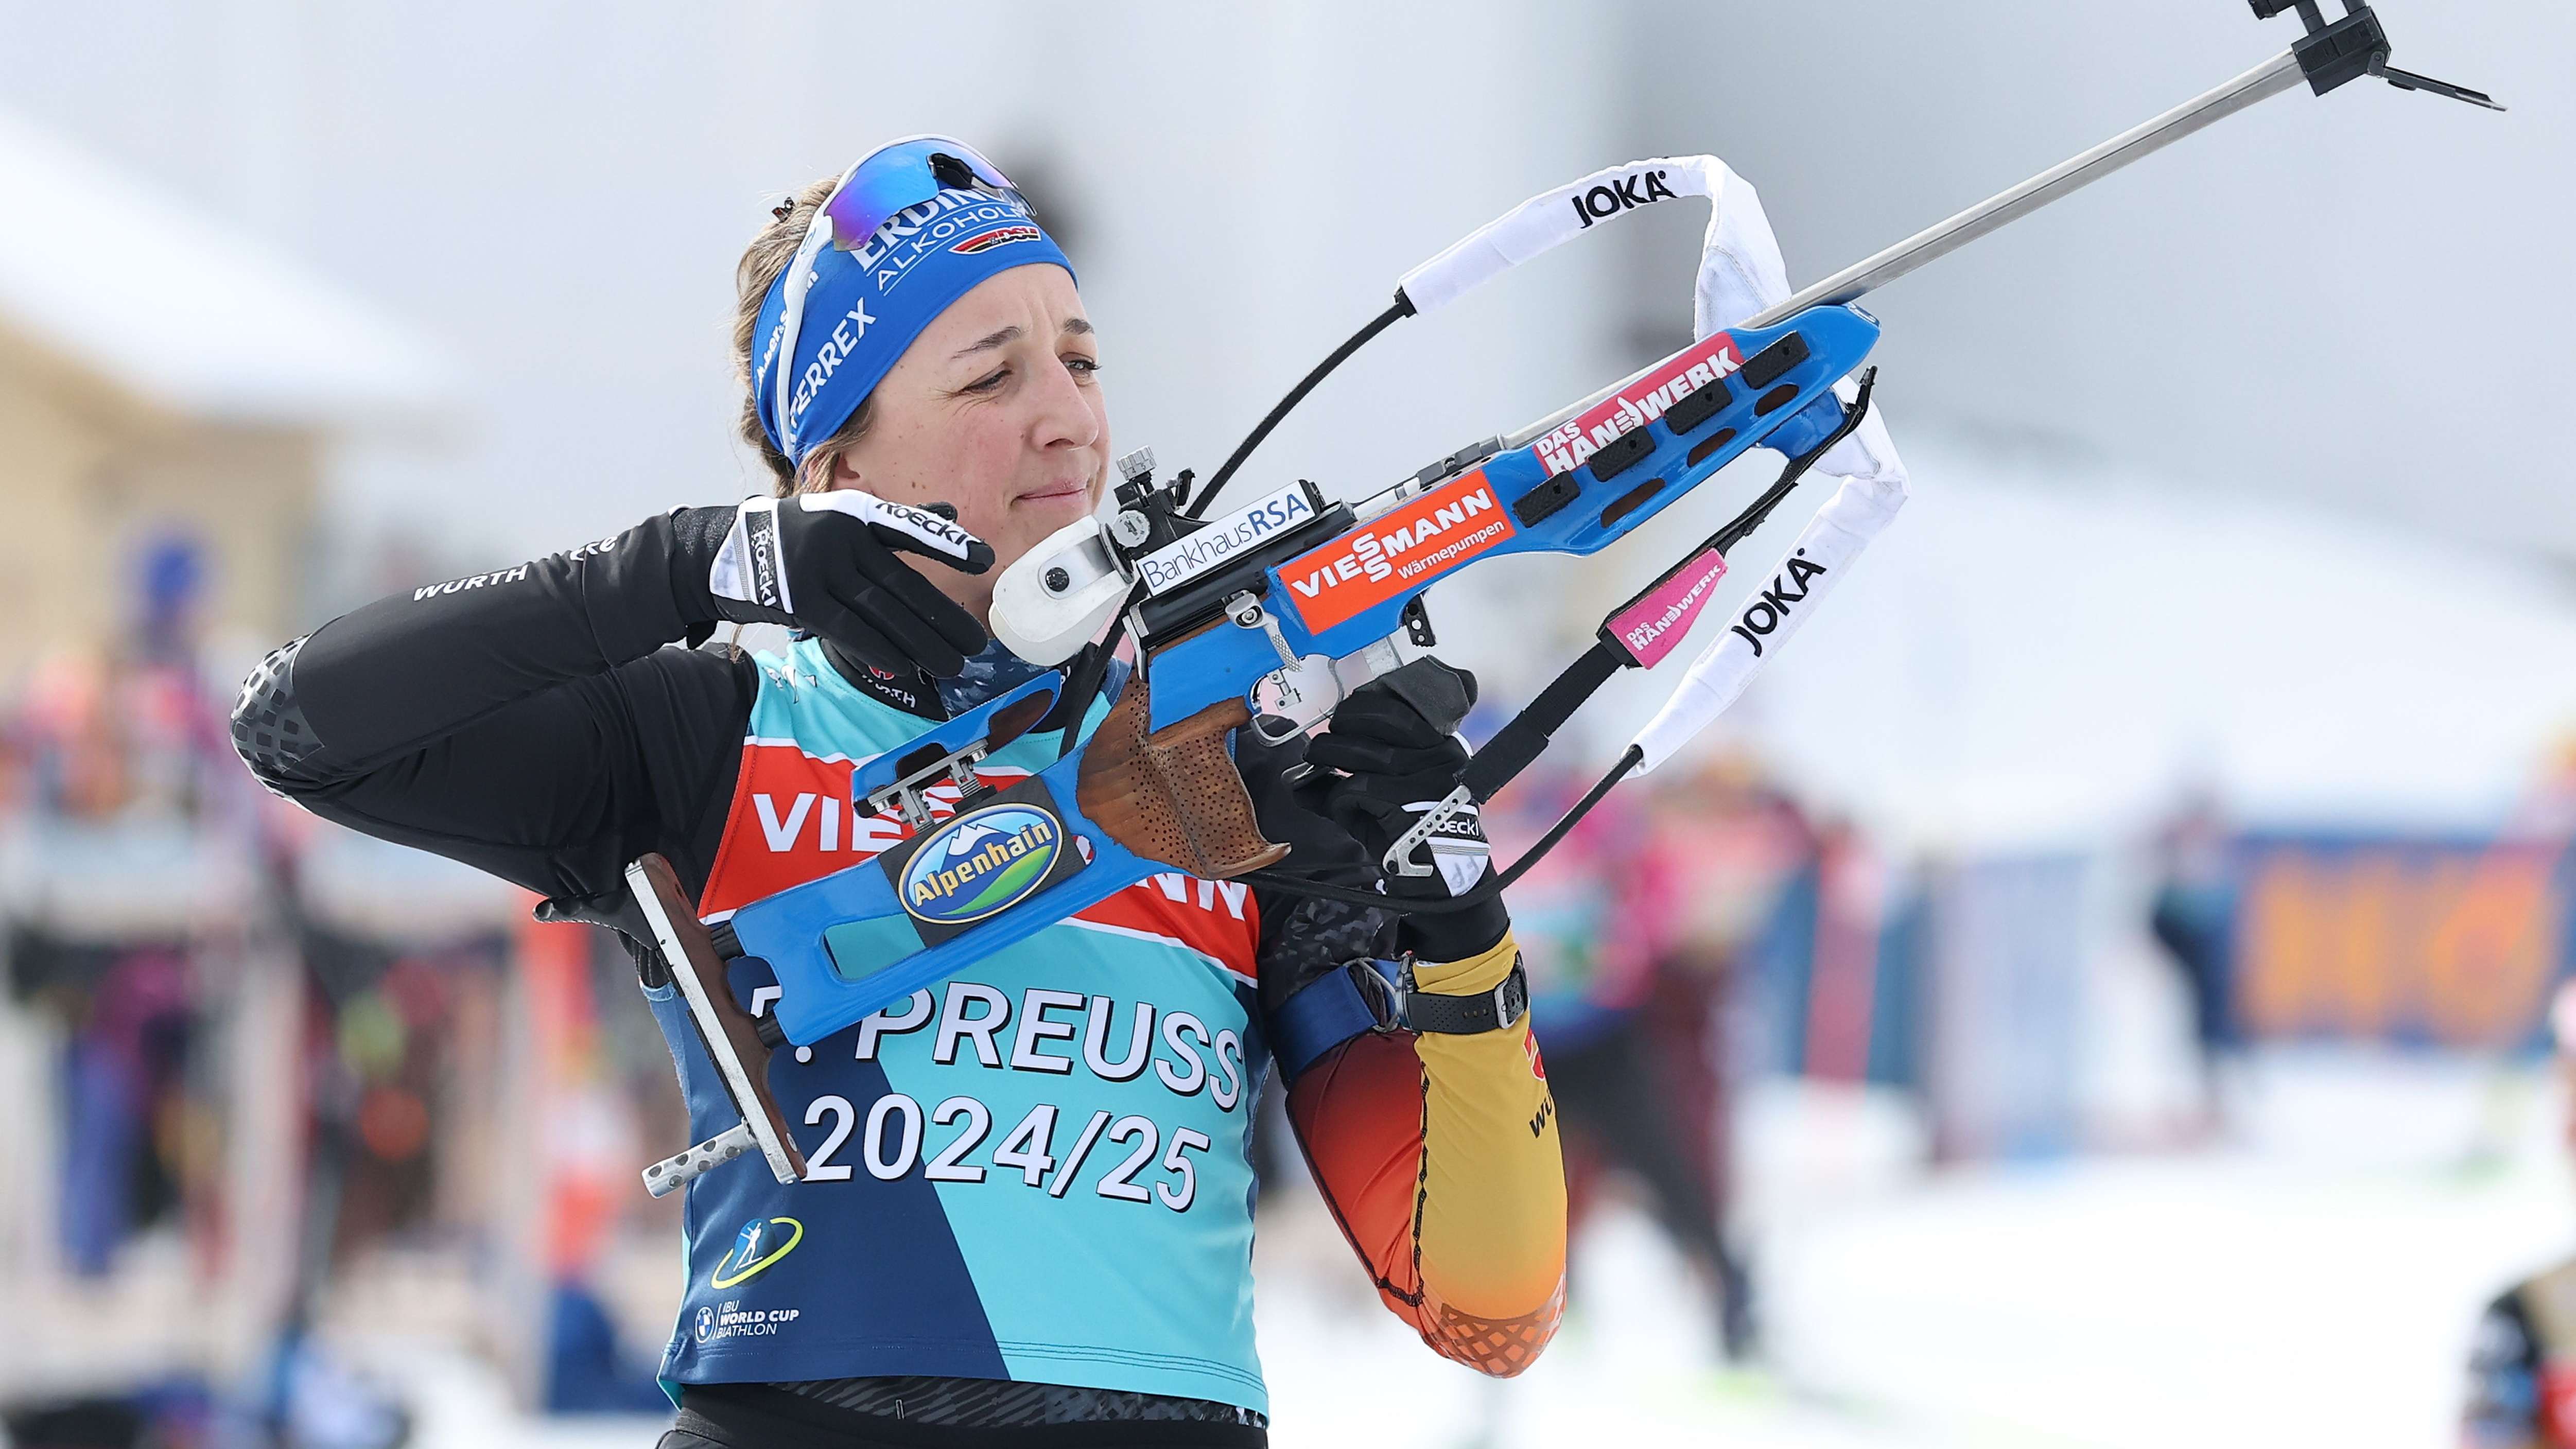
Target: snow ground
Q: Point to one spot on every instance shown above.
(2313, 1281)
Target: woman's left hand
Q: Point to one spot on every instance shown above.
(1389, 756)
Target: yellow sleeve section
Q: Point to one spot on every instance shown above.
(1492, 1219)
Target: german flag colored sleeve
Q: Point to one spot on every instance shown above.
(1438, 1155)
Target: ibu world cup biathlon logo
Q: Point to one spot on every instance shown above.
(982, 862)
(763, 1241)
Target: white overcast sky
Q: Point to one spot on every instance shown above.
(2357, 301)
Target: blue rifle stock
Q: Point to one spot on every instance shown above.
(846, 945)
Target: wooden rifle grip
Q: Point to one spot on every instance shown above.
(1174, 795)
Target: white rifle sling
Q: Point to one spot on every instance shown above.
(1812, 569)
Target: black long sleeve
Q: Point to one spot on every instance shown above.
(529, 721)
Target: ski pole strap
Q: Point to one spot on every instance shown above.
(1513, 747)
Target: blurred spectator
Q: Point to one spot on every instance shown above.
(127, 824)
(170, 1414)
(1633, 929)
(2193, 917)
(141, 862)
(2522, 1363)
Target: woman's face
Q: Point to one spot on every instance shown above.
(996, 410)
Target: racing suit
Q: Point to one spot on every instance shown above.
(1049, 1220)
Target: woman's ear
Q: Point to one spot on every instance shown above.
(825, 472)
(845, 473)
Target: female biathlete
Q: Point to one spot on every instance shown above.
(1029, 1215)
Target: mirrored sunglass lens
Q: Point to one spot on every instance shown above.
(894, 178)
(876, 192)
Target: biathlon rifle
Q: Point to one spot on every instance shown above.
(1265, 617)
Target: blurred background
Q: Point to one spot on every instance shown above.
(2093, 991)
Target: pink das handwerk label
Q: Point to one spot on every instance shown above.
(1654, 626)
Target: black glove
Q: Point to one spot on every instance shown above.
(1304, 937)
(1389, 756)
(826, 562)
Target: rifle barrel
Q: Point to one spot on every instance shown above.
(2263, 82)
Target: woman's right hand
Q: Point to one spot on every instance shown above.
(826, 562)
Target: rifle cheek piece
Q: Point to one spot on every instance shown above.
(1059, 597)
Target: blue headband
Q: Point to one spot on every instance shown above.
(866, 306)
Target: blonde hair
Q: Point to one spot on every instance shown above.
(762, 261)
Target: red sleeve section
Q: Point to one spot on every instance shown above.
(1362, 1116)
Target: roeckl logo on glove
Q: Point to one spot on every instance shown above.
(930, 526)
(1461, 826)
(760, 541)
(1458, 847)
(1626, 194)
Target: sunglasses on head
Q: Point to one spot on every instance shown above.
(889, 180)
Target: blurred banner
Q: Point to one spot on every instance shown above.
(2448, 942)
